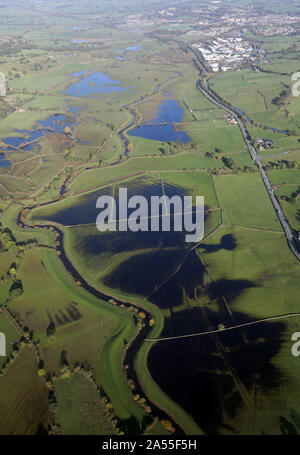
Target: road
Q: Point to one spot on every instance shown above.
(211, 96)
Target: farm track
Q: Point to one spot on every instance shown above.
(219, 331)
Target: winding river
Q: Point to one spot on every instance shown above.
(134, 346)
(132, 349)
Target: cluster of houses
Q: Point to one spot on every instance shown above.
(227, 53)
(263, 144)
(230, 119)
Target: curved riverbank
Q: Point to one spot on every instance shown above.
(145, 329)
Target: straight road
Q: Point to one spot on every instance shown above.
(211, 96)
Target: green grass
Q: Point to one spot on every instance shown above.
(6, 260)
(291, 209)
(197, 184)
(254, 93)
(14, 184)
(291, 176)
(80, 410)
(223, 137)
(23, 397)
(43, 237)
(100, 176)
(292, 156)
(245, 201)
(97, 335)
(263, 258)
(109, 353)
(157, 395)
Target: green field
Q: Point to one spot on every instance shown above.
(83, 415)
(11, 333)
(288, 176)
(105, 68)
(291, 209)
(245, 202)
(24, 397)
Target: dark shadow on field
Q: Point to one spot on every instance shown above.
(184, 283)
(228, 242)
(142, 273)
(228, 289)
(189, 282)
(202, 374)
(129, 426)
(212, 376)
(65, 316)
(91, 243)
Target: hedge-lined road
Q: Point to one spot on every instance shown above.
(281, 216)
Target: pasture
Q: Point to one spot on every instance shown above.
(24, 397)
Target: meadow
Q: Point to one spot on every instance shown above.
(24, 397)
(245, 202)
(12, 335)
(291, 209)
(84, 415)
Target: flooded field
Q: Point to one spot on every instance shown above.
(161, 127)
(95, 83)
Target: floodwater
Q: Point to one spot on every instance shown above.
(136, 48)
(155, 254)
(3, 161)
(161, 127)
(95, 83)
(83, 210)
(212, 376)
(27, 138)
